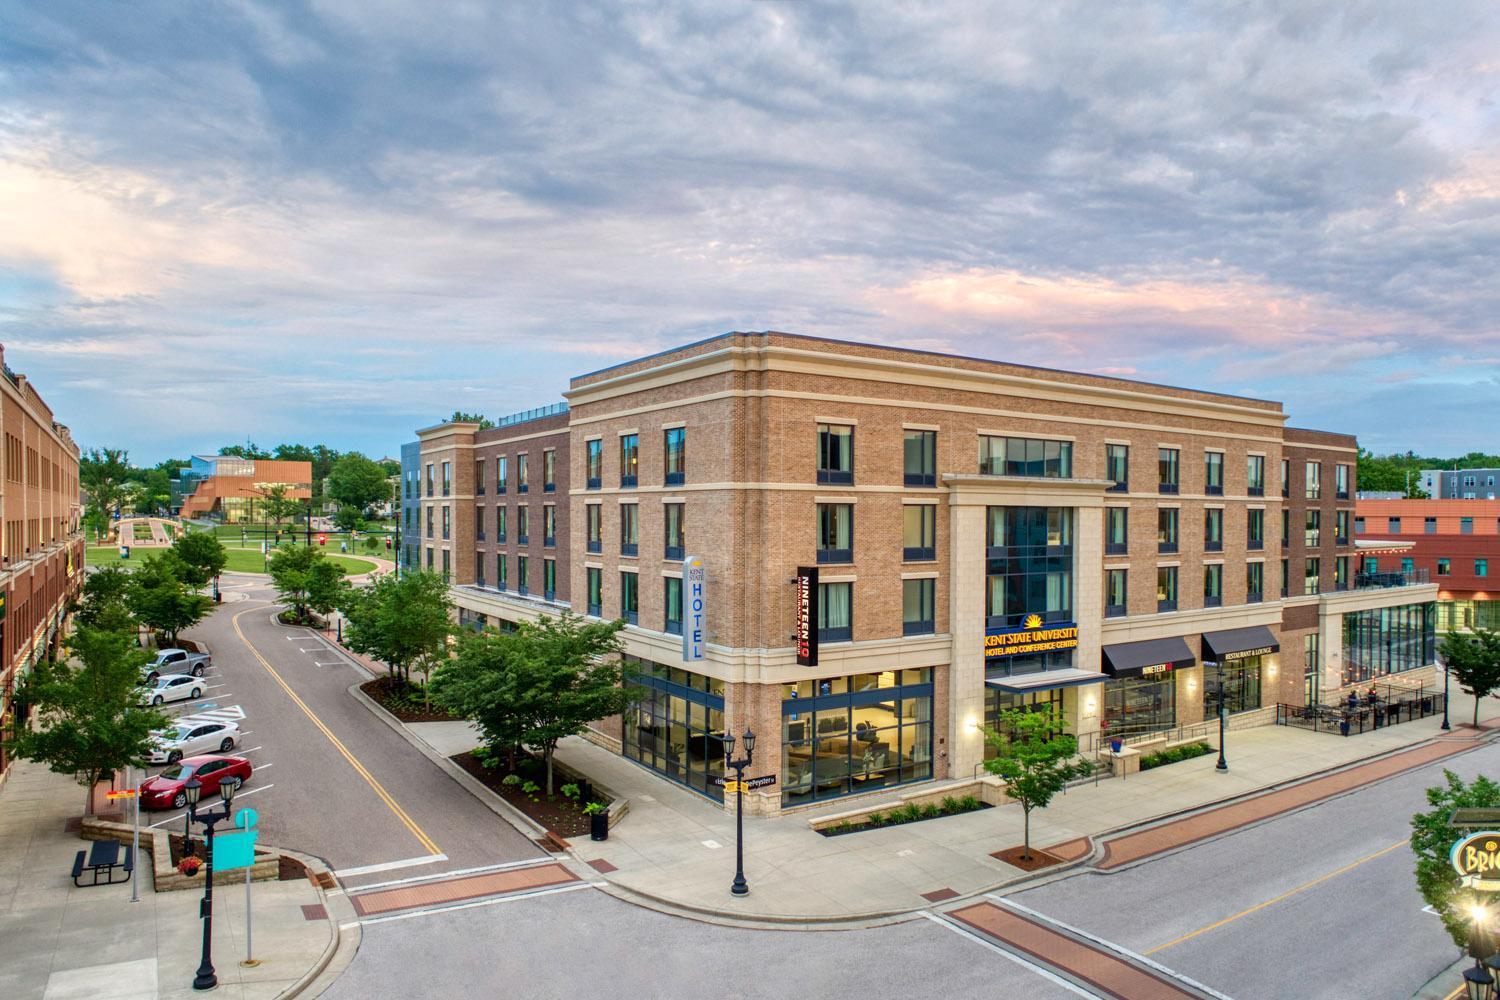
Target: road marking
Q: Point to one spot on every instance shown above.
(1276, 899)
(251, 750)
(430, 859)
(410, 824)
(478, 902)
(529, 863)
(237, 796)
(1045, 973)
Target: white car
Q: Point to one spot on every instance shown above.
(174, 687)
(192, 738)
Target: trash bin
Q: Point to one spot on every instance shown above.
(124, 551)
(599, 825)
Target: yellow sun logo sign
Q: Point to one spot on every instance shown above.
(1033, 621)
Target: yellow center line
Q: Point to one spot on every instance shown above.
(1276, 899)
(385, 796)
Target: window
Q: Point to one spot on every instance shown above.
(835, 533)
(1115, 594)
(523, 525)
(1286, 478)
(479, 569)
(1167, 470)
(1393, 525)
(1341, 573)
(630, 457)
(1310, 575)
(1408, 566)
(500, 579)
(1166, 588)
(1255, 582)
(593, 463)
(674, 455)
(1213, 585)
(1429, 525)
(1388, 640)
(919, 532)
(917, 601)
(592, 519)
(549, 579)
(1286, 527)
(673, 604)
(1029, 566)
(1466, 526)
(1481, 567)
(920, 451)
(1312, 667)
(447, 519)
(1213, 473)
(429, 479)
(549, 470)
(672, 530)
(1341, 481)
(430, 516)
(479, 525)
(630, 529)
(1166, 529)
(1008, 456)
(1255, 529)
(835, 454)
(1313, 530)
(1213, 529)
(479, 477)
(835, 612)
(1443, 566)
(1255, 472)
(1233, 686)
(429, 558)
(523, 479)
(502, 478)
(1116, 530)
(595, 577)
(1314, 480)
(1117, 467)
(630, 598)
(1341, 527)
(675, 724)
(499, 524)
(447, 478)
(447, 568)
(521, 574)
(549, 525)
(1359, 525)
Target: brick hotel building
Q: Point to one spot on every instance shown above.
(41, 553)
(899, 544)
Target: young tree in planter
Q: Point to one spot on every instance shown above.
(1034, 759)
(90, 722)
(161, 601)
(1474, 661)
(1431, 841)
(479, 684)
(200, 556)
(307, 580)
(403, 623)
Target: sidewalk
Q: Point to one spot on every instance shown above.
(678, 848)
(59, 942)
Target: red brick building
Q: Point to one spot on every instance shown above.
(1454, 543)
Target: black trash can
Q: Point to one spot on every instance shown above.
(599, 825)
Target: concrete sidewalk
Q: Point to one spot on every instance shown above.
(59, 942)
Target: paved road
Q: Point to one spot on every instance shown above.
(330, 778)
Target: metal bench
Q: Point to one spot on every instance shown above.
(103, 858)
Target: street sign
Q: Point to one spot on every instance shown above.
(749, 783)
(731, 786)
(120, 793)
(246, 818)
(234, 850)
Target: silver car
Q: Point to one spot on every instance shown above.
(174, 687)
(192, 738)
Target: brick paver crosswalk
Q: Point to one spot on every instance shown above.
(459, 889)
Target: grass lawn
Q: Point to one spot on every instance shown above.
(240, 560)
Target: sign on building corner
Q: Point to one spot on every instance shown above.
(806, 636)
(694, 596)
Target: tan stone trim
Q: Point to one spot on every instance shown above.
(920, 501)
(831, 499)
(674, 499)
(1046, 435)
(593, 437)
(628, 431)
(594, 565)
(1117, 441)
(1170, 447)
(674, 573)
(674, 425)
(921, 427)
(847, 578)
(498, 442)
(836, 421)
(1175, 564)
(925, 575)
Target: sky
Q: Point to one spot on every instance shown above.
(339, 220)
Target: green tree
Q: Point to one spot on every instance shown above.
(90, 722)
(460, 417)
(249, 450)
(358, 482)
(1473, 659)
(200, 557)
(1034, 758)
(276, 505)
(1431, 841)
(307, 580)
(103, 473)
(150, 492)
(404, 623)
(160, 599)
(349, 518)
(479, 684)
(105, 601)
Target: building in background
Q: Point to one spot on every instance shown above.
(41, 555)
(407, 556)
(897, 545)
(1461, 484)
(1454, 543)
(231, 489)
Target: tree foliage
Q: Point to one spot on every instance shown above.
(358, 482)
(1432, 840)
(307, 579)
(1473, 659)
(279, 507)
(200, 557)
(460, 417)
(160, 598)
(403, 622)
(149, 492)
(1034, 758)
(103, 473)
(105, 601)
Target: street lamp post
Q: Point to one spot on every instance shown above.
(1444, 664)
(740, 886)
(1222, 765)
(206, 979)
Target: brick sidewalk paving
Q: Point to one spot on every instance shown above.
(460, 889)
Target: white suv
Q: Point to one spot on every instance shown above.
(192, 738)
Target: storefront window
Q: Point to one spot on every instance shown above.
(1135, 705)
(997, 701)
(676, 727)
(846, 735)
(1240, 682)
(1388, 640)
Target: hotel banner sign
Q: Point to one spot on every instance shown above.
(806, 636)
(694, 596)
(1032, 637)
(1476, 858)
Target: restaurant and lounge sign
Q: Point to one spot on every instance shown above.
(1032, 637)
(1245, 654)
(1476, 858)
(806, 635)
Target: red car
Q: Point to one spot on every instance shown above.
(167, 790)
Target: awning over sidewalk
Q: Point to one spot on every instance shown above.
(1045, 680)
(1238, 644)
(1153, 656)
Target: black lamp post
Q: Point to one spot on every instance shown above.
(1479, 984)
(1222, 765)
(206, 978)
(740, 886)
(1444, 665)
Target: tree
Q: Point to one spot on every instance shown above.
(161, 600)
(1035, 760)
(150, 492)
(348, 518)
(1432, 840)
(307, 579)
(249, 450)
(404, 623)
(200, 557)
(1474, 661)
(105, 601)
(358, 482)
(103, 473)
(460, 417)
(278, 506)
(479, 684)
(90, 722)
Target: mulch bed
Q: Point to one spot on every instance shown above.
(561, 815)
(1016, 856)
(290, 869)
(388, 692)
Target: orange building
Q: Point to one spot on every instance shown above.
(231, 489)
(1455, 543)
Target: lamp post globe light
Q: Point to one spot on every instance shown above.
(207, 979)
(1479, 984)
(740, 886)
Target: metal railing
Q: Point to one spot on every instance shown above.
(1397, 578)
(535, 413)
(1365, 714)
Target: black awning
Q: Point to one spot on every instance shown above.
(1238, 644)
(1130, 659)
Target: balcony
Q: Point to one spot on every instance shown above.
(918, 554)
(1399, 578)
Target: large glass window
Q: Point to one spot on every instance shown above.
(835, 612)
(996, 701)
(1166, 588)
(1008, 456)
(1388, 640)
(630, 529)
(1213, 529)
(920, 454)
(835, 532)
(676, 724)
(846, 735)
(919, 532)
(1115, 594)
(674, 458)
(593, 525)
(672, 530)
(1116, 530)
(1213, 473)
(1312, 667)
(523, 477)
(1117, 467)
(1213, 585)
(593, 463)
(1029, 565)
(1237, 682)
(595, 577)
(673, 604)
(1166, 529)
(917, 607)
(1312, 572)
(1136, 705)
(630, 456)
(1168, 470)
(630, 597)
(1255, 471)
(835, 454)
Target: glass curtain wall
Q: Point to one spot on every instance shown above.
(676, 724)
(1240, 682)
(1029, 571)
(1135, 705)
(846, 735)
(1389, 640)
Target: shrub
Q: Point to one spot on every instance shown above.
(511, 780)
(530, 788)
(1172, 755)
(594, 808)
(570, 791)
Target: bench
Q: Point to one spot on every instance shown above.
(103, 858)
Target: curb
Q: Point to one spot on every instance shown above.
(343, 942)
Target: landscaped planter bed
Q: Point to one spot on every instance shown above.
(909, 812)
(400, 700)
(560, 814)
(1171, 755)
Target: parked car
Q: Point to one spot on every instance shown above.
(168, 789)
(176, 661)
(189, 738)
(173, 687)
